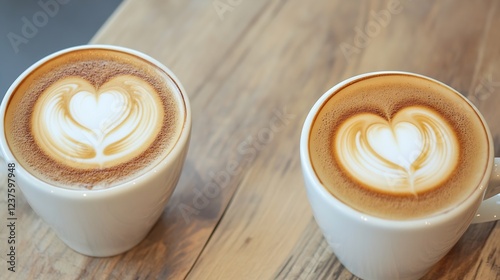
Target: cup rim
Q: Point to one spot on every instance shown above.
(439, 217)
(176, 151)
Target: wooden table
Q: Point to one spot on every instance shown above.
(252, 70)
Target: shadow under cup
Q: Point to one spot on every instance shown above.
(382, 231)
(116, 215)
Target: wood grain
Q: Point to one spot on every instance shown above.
(252, 74)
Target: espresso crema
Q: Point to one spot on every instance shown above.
(94, 118)
(398, 146)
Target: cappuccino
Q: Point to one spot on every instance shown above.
(398, 146)
(93, 118)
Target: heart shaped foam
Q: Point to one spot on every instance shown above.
(89, 110)
(414, 152)
(84, 127)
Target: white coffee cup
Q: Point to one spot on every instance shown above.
(110, 221)
(376, 248)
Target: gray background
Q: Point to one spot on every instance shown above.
(61, 24)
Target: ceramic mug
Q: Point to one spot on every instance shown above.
(101, 222)
(377, 248)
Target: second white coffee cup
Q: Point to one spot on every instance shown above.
(376, 248)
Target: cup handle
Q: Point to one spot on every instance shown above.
(489, 210)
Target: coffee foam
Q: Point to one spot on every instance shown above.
(98, 129)
(398, 147)
(93, 119)
(415, 152)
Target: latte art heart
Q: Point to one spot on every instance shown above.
(412, 153)
(84, 127)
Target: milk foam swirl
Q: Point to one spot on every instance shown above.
(83, 127)
(413, 152)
